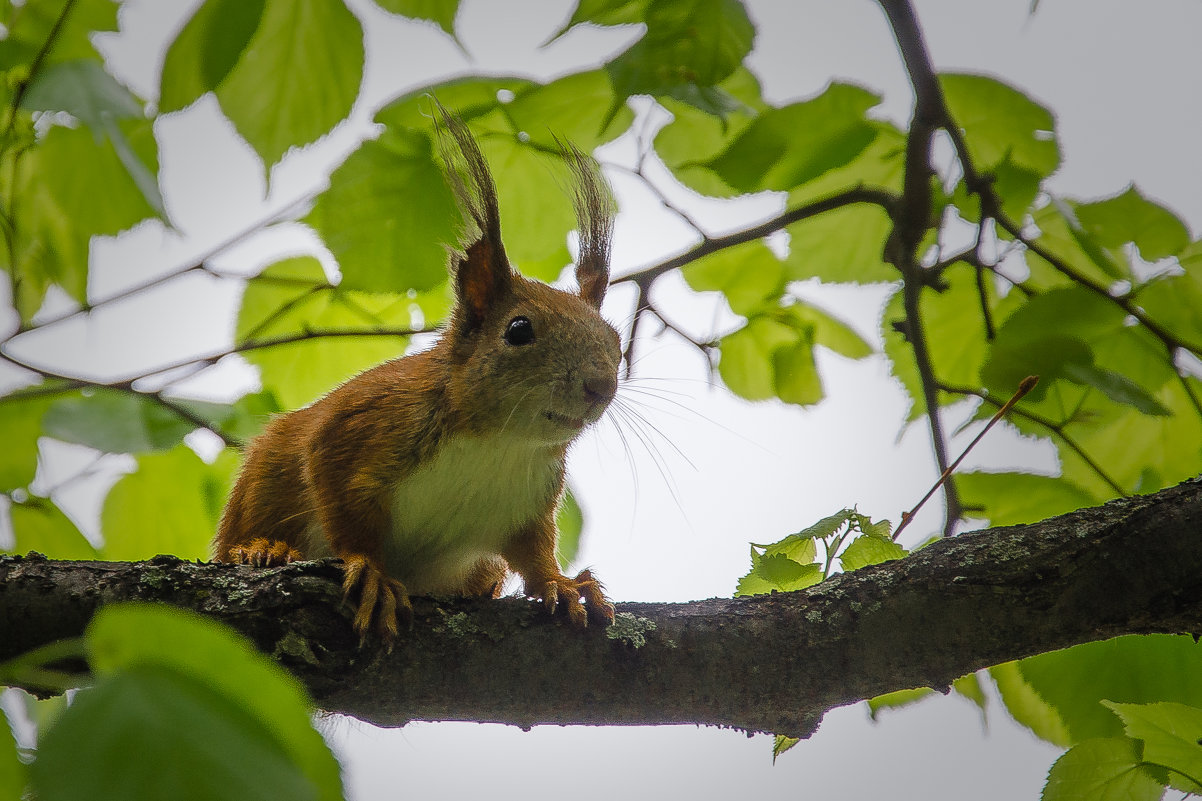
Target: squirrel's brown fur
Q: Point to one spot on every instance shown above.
(441, 471)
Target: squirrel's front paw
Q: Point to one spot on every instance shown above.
(376, 590)
(566, 591)
(262, 552)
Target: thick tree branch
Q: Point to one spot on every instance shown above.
(770, 663)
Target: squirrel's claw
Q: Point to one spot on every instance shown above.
(262, 552)
(566, 591)
(376, 589)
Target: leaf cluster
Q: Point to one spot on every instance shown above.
(157, 720)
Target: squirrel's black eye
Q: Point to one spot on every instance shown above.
(520, 331)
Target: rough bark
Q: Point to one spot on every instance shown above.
(771, 663)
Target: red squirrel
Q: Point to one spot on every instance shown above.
(441, 471)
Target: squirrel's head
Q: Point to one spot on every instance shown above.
(529, 359)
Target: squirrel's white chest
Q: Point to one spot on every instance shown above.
(464, 503)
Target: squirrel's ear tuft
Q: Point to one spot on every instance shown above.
(595, 211)
(482, 279)
(481, 272)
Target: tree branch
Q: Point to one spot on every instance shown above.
(1056, 429)
(848, 197)
(912, 219)
(770, 663)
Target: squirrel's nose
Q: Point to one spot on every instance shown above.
(601, 388)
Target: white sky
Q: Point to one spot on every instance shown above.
(1125, 80)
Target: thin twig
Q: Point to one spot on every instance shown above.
(247, 346)
(1025, 386)
(35, 66)
(983, 296)
(848, 197)
(642, 303)
(199, 265)
(1170, 341)
(664, 201)
(1057, 429)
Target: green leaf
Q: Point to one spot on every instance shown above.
(291, 298)
(798, 547)
(83, 89)
(1063, 237)
(970, 687)
(785, 147)
(747, 363)
(841, 246)
(827, 330)
(748, 275)
(29, 30)
(573, 108)
(441, 12)
(784, 573)
(530, 181)
(777, 573)
(115, 422)
(20, 426)
(39, 525)
(206, 50)
(789, 563)
(1115, 386)
(896, 699)
(1000, 123)
(61, 178)
(13, 772)
(1016, 188)
(1008, 499)
(171, 504)
(820, 530)
(1171, 734)
(1134, 669)
(689, 47)
(1130, 217)
(127, 637)
(795, 374)
(570, 522)
(869, 550)
(1049, 358)
(606, 12)
(1027, 707)
(781, 744)
(846, 244)
(378, 248)
(146, 181)
(1074, 311)
(474, 99)
(1141, 452)
(772, 356)
(1054, 335)
(954, 324)
(1175, 301)
(152, 733)
(228, 48)
(1103, 769)
(694, 137)
(318, 44)
(243, 420)
(401, 172)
